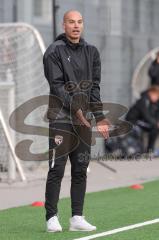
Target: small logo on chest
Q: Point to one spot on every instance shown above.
(69, 58)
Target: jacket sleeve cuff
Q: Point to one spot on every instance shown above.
(99, 116)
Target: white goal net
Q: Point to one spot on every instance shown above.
(21, 79)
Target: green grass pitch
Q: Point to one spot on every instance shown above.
(107, 210)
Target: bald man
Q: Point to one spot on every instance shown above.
(73, 70)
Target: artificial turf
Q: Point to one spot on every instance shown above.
(107, 210)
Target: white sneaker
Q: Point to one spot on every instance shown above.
(78, 223)
(53, 225)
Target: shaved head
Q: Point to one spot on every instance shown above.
(70, 13)
(73, 25)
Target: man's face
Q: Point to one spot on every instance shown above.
(73, 25)
(153, 97)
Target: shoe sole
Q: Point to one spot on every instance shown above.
(81, 230)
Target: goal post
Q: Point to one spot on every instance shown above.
(7, 105)
(11, 148)
(21, 79)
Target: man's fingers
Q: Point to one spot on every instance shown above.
(82, 119)
(104, 131)
(105, 134)
(103, 127)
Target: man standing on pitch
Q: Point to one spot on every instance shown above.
(73, 70)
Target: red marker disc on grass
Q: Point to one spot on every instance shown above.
(137, 186)
(37, 204)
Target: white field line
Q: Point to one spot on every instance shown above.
(118, 230)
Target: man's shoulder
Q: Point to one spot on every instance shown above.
(52, 47)
(93, 49)
(91, 46)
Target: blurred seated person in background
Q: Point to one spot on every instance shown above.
(145, 115)
(154, 71)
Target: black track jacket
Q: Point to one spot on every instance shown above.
(73, 72)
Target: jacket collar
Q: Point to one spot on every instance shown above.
(69, 43)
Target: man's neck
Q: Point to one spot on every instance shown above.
(73, 40)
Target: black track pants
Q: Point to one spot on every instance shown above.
(73, 141)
